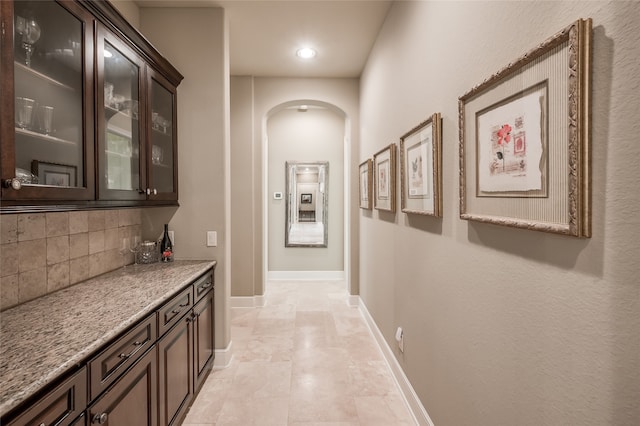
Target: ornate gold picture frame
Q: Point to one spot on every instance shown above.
(366, 184)
(525, 139)
(384, 171)
(420, 168)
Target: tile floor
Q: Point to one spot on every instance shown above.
(306, 233)
(304, 359)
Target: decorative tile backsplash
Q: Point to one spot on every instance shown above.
(44, 252)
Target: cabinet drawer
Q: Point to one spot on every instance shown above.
(59, 407)
(203, 285)
(105, 368)
(132, 400)
(171, 312)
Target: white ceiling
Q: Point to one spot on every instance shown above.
(265, 34)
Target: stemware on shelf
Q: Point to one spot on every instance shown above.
(29, 30)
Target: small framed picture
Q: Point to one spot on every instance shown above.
(55, 174)
(366, 177)
(384, 165)
(420, 174)
(305, 198)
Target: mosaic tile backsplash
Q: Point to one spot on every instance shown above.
(44, 252)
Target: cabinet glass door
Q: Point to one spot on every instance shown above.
(162, 146)
(52, 143)
(121, 173)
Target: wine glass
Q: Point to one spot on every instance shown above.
(125, 244)
(30, 31)
(134, 247)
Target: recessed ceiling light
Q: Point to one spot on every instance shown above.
(306, 53)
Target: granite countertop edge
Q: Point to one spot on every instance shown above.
(61, 339)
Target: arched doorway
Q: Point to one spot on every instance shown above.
(305, 130)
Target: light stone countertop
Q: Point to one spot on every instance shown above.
(42, 339)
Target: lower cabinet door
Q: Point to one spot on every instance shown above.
(203, 336)
(59, 407)
(175, 356)
(133, 399)
(80, 421)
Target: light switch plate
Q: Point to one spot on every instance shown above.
(212, 239)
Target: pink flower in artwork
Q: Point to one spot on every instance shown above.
(504, 134)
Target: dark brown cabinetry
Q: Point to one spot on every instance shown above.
(58, 110)
(146, 376)
(61, 406)
(132, 400)
(186, 351)
(203, 339)
(112, 362)
(46, 120)
(175, 354)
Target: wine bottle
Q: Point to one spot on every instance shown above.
(166, 247)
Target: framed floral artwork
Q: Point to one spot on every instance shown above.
(384, 169)
(420, 168)
(366, 177)
(525, 139)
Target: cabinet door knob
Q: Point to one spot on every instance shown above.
(148, 191)
(100, 418)
(12, 183)
(155, 191)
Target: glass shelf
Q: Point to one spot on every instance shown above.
(41, 76)
(31, 133)
(162, 165)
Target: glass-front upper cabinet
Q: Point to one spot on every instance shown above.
(47, 89)
(121, 168)
(163, 177)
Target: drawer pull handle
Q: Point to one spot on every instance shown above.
(175, 311)
(136, 343)
(184, 305)
(124, 356)
(100, 418)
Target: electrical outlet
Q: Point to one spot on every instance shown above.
(400, 338)
(212, 239)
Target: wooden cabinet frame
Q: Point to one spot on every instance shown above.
(7, 114)
(98, 18)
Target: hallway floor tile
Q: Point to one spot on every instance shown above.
(304, 359)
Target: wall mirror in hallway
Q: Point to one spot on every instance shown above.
(306, 203)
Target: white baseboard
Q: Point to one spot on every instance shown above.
(410, 397)
(223, 357)
(257, 301)
(242, 301)
(306, 275)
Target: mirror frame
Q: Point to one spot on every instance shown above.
(289, 167)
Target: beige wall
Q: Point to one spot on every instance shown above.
(255, 98)
(505, 326)
(246, 248)
(197, 46)
(129, 10)
(315, 135)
